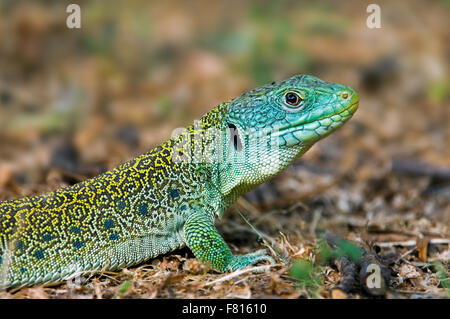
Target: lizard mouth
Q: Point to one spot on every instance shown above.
(309, 132)
(342, 115)
(349, 110)
(352, 107)
(346, 112)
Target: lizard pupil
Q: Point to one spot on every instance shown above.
(234, 137)
(293, 99)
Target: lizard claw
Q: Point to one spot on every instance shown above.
(242, 261)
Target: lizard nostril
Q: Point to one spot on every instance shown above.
(344, 95)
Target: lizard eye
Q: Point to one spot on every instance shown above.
(293, 99)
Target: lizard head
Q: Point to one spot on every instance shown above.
(272, 125)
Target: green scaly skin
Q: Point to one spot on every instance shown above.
(170, 196)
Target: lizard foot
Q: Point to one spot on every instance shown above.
(242, 261)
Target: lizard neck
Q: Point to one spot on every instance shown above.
(236, 178)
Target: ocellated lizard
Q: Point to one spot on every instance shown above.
(170, 196)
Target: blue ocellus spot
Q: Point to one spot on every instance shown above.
(121, 205)
(109, 223)
(183, 207)
(114, 237)
(143, 209)
(78, 244)
(47, 237)
(19, 244)
(39, 254)
(75, 230)
(174, 193)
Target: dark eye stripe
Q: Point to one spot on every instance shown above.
(234, 137)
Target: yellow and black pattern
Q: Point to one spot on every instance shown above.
(122, 217)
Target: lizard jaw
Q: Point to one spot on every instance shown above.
(310, 132)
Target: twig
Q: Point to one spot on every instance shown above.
(407, 243)
(240, 272)
(404, 255)
(349, 272)
(245, 204)
(263, 237)
(316, 217)
(415, 168)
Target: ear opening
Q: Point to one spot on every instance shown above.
(234, 137)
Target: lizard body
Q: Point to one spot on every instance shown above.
(170, 196)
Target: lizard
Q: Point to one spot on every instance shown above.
(170, 196)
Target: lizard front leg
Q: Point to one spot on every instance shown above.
(208, 246)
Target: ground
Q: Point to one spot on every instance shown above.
(74, 103)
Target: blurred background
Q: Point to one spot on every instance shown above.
(77, 102)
